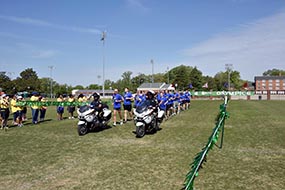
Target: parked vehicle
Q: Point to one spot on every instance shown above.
(90, 119)
(160, 116)
(146, 119)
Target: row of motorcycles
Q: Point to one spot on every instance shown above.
(146, 118)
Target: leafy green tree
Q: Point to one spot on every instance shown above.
(221, 78)
(196, 78)
(109, 84)
(182, 75)
(45, 85)
(159, 77)
(179, 75)
(236, 82)
(138, 80)
(79, 87)
(28, 81)
(119, 85)
(169, 76)
(211, 82)
(62, 89)
(94, 87)
(274, 72)
(126, 79)
(6, 84)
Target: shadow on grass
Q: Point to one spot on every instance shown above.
(149, 132)
(99, 129)
(46, 120)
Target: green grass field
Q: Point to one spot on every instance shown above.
(51, 155)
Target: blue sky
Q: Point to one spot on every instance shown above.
(250, 34)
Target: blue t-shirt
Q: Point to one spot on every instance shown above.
(127, 98)
(176, 96)
(117, 98)
(182, 97)
(137, 99)
(158, 97)
(163, 102)
(169, 98)
(187, 95)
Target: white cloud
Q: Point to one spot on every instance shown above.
(25, 20)
(9, 35)
(137, 4)
(42, 23)
(33, 51)
(43, 54)
(252, 49)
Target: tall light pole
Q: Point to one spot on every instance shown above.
(99, 76)
(229, 68)
(152, 63)
(51, 68)
(103, 78)
(167, 75)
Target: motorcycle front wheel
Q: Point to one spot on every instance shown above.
(82, 129)
(140, 131)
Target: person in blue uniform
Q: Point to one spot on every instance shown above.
(163, 101)
(128, 98)
(187, 99)
(137, 99)
(117, 100)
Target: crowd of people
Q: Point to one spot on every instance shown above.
(9, 105)
(172, 102)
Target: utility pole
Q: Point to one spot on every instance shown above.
(167, 75)
(103, 78)
(51, 68)
(152, 63)
(229, 68)
(99, 76)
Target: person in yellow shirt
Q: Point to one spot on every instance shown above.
(16, 110)
(5, 112)
(71, 109)
(35, 108)
(43, 109)
(60, 109)
(24, 112)
(81, 98)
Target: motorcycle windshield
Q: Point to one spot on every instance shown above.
(83, 108)
(143, 106)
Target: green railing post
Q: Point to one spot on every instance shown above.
(200, 158)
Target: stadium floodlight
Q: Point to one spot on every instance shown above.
(229, 68)
(152, 63)
(103, 38)
(51, 68)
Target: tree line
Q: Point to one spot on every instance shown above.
(182, 77)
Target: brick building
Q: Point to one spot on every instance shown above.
(269, 83)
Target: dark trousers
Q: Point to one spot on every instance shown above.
(42, 114)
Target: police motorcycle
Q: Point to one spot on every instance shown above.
(146, 116)
(160, 116)
(92, 117)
